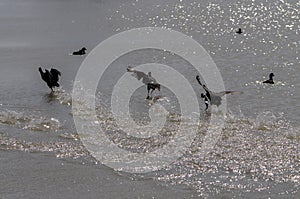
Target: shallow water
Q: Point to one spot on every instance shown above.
(257, 155)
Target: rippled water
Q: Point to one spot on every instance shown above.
(258, 153)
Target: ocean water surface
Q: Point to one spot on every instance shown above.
(258, 153)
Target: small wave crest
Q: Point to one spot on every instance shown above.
(61, 149)
(27, 121)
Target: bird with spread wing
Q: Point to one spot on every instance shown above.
(215, 98)
(147, 79)
(50, 77)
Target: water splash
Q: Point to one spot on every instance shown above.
(63, 97)
(265, 120)
(244, 160)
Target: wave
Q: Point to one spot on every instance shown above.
(252, 154)
(61, 149)
(27, 121)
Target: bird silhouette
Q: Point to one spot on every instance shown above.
(80, 52)
(239, 31)
(50, 77)
(147, 79)
(270, 80)
(215, 98)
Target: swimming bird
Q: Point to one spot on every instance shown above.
(270, 80)
(147, 79)
(215, 98)
(50, 77)
(239, 31)
(80, 52)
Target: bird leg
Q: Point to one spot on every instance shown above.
(148, 95)
(152, 91)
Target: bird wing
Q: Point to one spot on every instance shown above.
(55, 74)
(198, 79)
(203, 86)
(147, 79)
(216, 100)
(43, 74)
(55, 71)
(221, 94)
(139, 75)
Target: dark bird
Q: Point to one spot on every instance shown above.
(215, 98)
(239, 31)
(80, 52)
(148, 80)
(51, 78)
(270, 80)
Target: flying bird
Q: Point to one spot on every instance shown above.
(80, 52)
(147, 79)
(215, 98)
(270, 80)
(50, 77)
